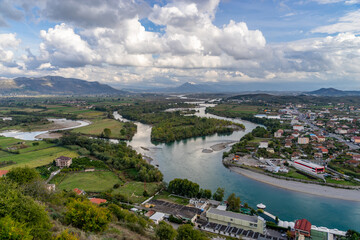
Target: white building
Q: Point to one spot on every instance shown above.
(264, 144)
(157, 217)
(299, 128)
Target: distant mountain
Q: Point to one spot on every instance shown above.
(54, 85)
(333, 92)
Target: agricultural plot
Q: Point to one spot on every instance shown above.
(98, 126)
(36, 158)
(87, 181)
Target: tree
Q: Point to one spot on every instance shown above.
(107, 132)
(233, 203)
(23, 175)
(87, 216)
(352, 235)
(12, 230)
(165, 231)
(23, 209)
(187, 232)
(183, 187)
(219, 194)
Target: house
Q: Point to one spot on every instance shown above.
(270, 150)
(79, 191)
(238, 220)
(50, 187)
(321, 139)
(288, 144)
(302, 227)
(299, 128)
(157, 217)
(63, 161)
(303, 140)
(264, 144)
(97, 201)
(3, 173)
(324, 151)
(356, 139)
(353, 162)
(295, 134)
(149, 213)
(278, 133)
(355, 157)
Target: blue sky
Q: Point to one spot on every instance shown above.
(166, 43)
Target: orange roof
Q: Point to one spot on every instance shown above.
(97, 200)
(303, 225)
(78, 191)
(3, 172)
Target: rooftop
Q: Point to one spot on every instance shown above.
(233, 215)
(303, 225)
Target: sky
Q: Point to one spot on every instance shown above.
(274, 44)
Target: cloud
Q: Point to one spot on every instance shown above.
(348, 2)
(63, 47)
(348, 23)
(94, 13)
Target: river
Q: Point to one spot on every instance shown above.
(185, 159)
(30, 136)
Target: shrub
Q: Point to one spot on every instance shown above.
(87, 216)
(12, 230)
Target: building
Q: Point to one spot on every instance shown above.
(278, 133)
(302, 227)
(51, 187)
(63, 161)
(264, 144)
(79, 191)
(157, 217)
(321, 138)
(356, 139)
(238, 220)
(299, 128)
(308, 166)
(97, 201)
(3, 173)
(303, 140)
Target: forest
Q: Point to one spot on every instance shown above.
(172, 126)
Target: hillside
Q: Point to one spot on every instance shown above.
(54, 85)
(333, 92)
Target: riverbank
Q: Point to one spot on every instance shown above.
(308, 188)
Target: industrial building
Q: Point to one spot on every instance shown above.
(309, 166)
(238, 220)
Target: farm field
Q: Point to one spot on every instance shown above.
(87, 181)
(134, 190)
(37, 157)
(97, 127)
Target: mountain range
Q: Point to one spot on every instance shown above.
(54, 85)
(333, 92)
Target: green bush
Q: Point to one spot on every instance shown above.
(12, 230)
(87, 216)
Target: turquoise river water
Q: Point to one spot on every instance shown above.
(185, 159)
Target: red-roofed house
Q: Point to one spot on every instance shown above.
(3, 173)
(79, 191)
(97, 201)
(324, 151)
(302, 227)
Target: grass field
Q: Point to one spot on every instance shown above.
(88, 181)
(37, 158)
(134, 190)
(166, 196)
(97, 127)
(80, 112)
